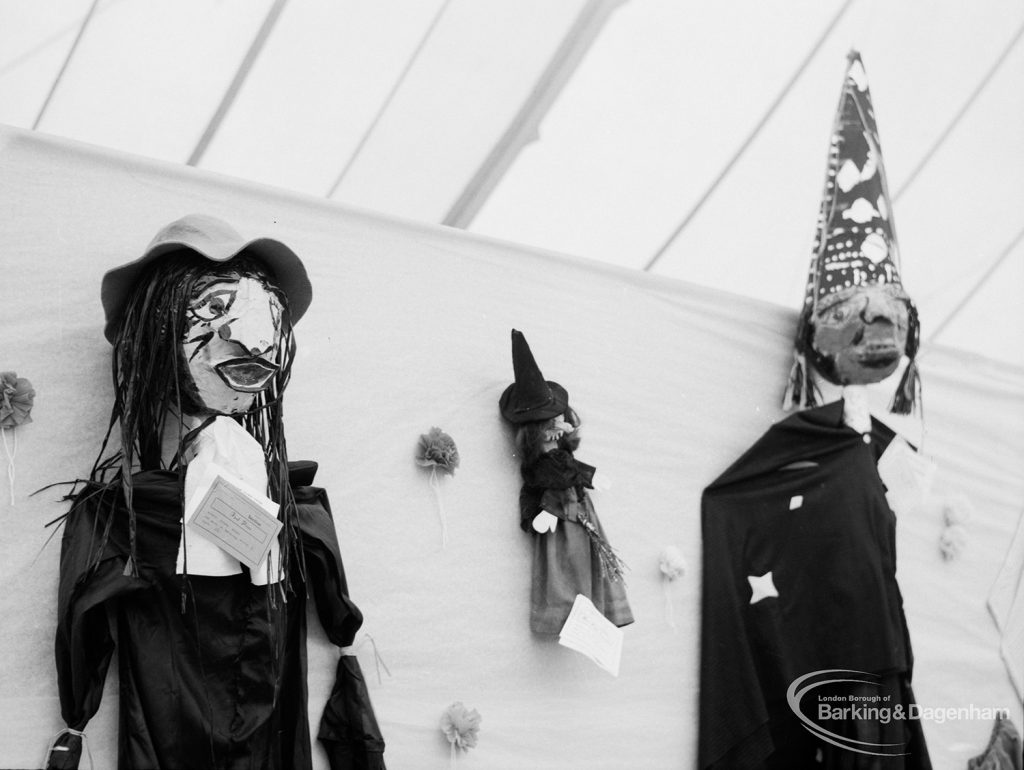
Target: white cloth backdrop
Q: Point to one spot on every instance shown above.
(409, 329)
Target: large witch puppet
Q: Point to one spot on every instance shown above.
(800, 606)
(571, 554)
(209, 621)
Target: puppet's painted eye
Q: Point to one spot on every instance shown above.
(839, 314)
(212, 306)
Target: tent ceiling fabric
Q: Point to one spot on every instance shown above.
(655, 110)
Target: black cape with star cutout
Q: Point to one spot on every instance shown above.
(806, 504)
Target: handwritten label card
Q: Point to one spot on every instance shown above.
(589, 632)
(236, 519)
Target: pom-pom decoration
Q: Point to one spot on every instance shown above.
(437, 450)
(956, 513)
(952, 541)
(16, 399)
(671, 562)
(460, 727)
(957, 510)
(672, 566)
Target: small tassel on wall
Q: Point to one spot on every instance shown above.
(907, 398)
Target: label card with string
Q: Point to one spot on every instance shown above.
(235, 517)
(590, 633)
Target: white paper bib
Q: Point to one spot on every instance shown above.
(226, 444)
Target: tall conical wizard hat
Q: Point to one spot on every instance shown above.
(855, 242)
(530, 397)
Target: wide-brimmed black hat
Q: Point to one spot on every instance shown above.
(217, 241)
(530, 397)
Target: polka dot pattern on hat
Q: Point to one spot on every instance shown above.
(855, 243)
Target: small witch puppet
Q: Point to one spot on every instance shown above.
(209, 630)
(571, 554)
(857, 321)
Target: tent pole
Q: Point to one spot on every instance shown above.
(523, 128)
(236, 84)
(67, 60)
(17, 61)
(989, 272)
(963, 111)
(750, 139)
(387, 99)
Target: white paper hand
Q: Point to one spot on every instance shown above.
(545, 522)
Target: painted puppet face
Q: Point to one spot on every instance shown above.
(233, 330)
(860, 333)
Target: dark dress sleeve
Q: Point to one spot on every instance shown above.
(558, 469)
(91, 579)
(348, 729)
(555, 470)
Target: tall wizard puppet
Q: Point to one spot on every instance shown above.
(800, 602)
(195, 543)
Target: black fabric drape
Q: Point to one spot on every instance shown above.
(212, 669)
(806, 504)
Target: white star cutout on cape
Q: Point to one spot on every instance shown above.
(763, 587)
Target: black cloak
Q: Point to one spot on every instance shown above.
(212, 670)
(805, 503)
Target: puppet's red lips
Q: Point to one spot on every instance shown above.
(880, 356)
(248, 375)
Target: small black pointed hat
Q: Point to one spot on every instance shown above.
(530, 397)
